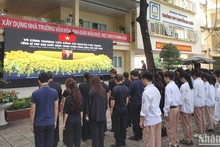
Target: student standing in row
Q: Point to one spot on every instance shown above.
(72, 115)
(120, 100)
(209, 102)
(57, 87)
(199, 102)
(96, 111)
(186, 107)
(111, 85)
(136, 89)
(84, 89)
(171, 110)
(150, 115)
(217, 98)
(44, 112)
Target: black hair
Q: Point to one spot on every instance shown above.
(179, 69)
(147, 75)
(113, 71)
(196, 73)
(206, 76)
(43, 77)
(101, 77)
(119, 77)
(76, 96)
(217, 73)
(50, 73)
(187, 77)
(188, 71)
(126, 75)
(87, 76)
(169, 74)
(134, 73)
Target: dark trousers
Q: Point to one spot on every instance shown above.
(97, 133)
(56, 133)
(73, 134)
(85, 129)
(44, 136)
(119, 126)
(135, 108)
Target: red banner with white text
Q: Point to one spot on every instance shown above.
(18, 23)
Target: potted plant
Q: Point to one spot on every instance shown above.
(20, 109)
(6, 100)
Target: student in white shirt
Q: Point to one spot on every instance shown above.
(186, 107)
(171, 108)
(199, 102)
(150, 115)
(217, 98)
(209, 102)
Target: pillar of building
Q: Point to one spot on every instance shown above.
(75, 12)
(129, 55)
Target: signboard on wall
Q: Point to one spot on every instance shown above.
(31, 52)
(164, 13)
(183, 48)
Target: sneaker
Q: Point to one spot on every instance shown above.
(185, 142)
(133, 138)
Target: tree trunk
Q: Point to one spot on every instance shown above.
(142, 19)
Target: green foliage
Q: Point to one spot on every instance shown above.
(8, 96)
(170, 56)
(157, 62)
(21, 104)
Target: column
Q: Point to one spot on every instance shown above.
(76, 12)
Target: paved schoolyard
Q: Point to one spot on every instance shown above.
(18, 134)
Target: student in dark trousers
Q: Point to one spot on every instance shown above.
(43, 113)
(127, 82)
(57, 87)
(96, 111)
(120, 100)
(105, 86)
(84, 89)
(72, 116)
(66, 92)
(136, 89)
(111, 84)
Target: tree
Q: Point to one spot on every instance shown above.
(142, 19)
(170, 56)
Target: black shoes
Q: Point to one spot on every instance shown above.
(185, 142)
(115, 145)
(134, 138)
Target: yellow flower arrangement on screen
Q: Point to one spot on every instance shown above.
(24, 63)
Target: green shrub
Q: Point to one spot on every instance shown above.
(21, 104)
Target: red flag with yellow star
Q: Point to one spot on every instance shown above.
(67, 38)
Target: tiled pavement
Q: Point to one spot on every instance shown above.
(18, 134)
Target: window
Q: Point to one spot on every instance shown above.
(172, 31)
(186, 4)
(96, 26)
(152, 28)
(168, 31)
(117, 61)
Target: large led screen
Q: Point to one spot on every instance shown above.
(27, 53)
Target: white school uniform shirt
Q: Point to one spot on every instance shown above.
(150, 105)
(217, 104)
(172, 97)
(186, 98)
(199, 92)
(210, 95)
